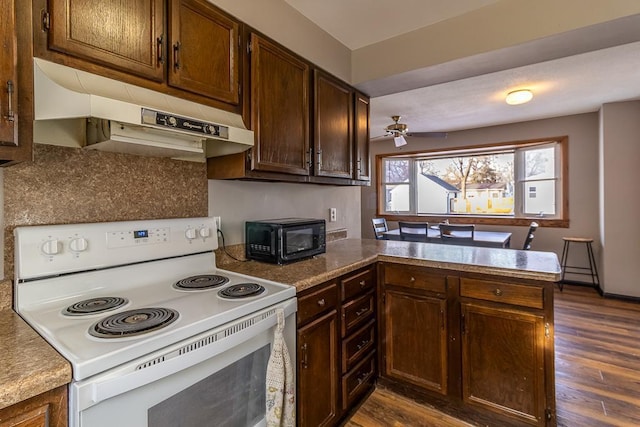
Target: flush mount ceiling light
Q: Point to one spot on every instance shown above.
(518, 97)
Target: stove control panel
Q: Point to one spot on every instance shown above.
(48, 250)
(147, 236)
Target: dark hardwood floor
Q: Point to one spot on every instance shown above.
(597, 344)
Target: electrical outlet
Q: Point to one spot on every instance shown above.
(218, 221)
(333, 215)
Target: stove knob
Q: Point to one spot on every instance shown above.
(51, 247)
(190, 233)
(78, 244)
(204, 232)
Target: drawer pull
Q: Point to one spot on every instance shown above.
(498, 292)
(362, 311)
(362, 377)
(321, 302)
(413, 279)
(362, 344)
(363, 283)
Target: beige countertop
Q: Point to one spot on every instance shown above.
(30, 366)
(347, 255)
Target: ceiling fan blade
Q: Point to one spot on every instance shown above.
(382, 136)
(428, 134)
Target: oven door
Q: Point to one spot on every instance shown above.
(216, 378)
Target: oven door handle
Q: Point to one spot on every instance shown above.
(176, 358)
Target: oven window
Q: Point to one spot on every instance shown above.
(299, 240)
(233, 396)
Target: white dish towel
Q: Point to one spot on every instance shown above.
(281, 391)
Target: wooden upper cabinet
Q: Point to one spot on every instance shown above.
(279, 109)
(361, 137)
(122, 34)
(8, 75)
(333, 117)
(203, 50)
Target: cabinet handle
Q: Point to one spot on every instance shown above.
(319, 159)
(363, 283)
(359, 162)
(321, 302)
(9, 116)
(362, 344)
(362, 377)
(413, 279)
(159, 48)
(309, 157)
(305, 360)
(176, 56)
(362, 311)
(497, 292)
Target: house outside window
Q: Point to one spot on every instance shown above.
(511, 181)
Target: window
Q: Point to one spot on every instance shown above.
(510, 181)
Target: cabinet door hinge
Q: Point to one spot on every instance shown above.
(463, 325)
(249, 47)
(45, 19)
(547, 414)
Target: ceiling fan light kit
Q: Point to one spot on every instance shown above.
(518, 97)
(399, 130)
(399, 141)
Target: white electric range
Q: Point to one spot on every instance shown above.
(146, 319)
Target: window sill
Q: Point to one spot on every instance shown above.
(484, 220)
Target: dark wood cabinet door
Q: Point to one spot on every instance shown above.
(203, 50)
(8, 75)
(48, 409)
(279, 109)
(361, 138)
(318, 372)
(122, 34)
(415, 339)
(503, 361)
(333, 121)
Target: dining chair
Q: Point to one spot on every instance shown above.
(413, 231)
(527, 241)
(379, 227)
(458, 234)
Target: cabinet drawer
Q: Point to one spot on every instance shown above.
(358, 381)
(357, 345)
(409, 277)
(316, 302)
(358, 283)
(508, 293)
(356, 312)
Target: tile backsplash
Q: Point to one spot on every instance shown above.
(68, 185)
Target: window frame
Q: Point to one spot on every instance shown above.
(562, 185)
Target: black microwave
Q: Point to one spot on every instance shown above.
(284, 240)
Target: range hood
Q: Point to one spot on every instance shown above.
(79, 109)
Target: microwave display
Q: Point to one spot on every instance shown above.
(284, 240)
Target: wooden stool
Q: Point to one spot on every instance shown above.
(592, 269)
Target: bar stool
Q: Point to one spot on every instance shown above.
(592, 269)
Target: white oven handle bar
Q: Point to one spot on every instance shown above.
(177, 357)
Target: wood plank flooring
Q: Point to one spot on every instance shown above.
(597, 344)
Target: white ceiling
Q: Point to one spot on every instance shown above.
(569, 74)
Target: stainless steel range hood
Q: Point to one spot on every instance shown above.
(79, 109)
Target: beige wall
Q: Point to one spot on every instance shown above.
(620, 228)
(237, 201)
(582, 130)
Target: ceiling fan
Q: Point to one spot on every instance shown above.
(400, 130)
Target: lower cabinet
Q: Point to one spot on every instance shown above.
(477, 346)
(336, 347)
(48, 409)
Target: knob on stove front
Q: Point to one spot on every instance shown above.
(78, 244)
(190, 233)
(50, 247)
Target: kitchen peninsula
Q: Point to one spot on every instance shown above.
(468, 330)
(473, 295)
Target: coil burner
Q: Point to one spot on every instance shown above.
(133, 322)
(203, 281)
(94, 306)
(241, 290)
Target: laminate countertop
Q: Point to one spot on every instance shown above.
(344, 256)
(30, 366)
